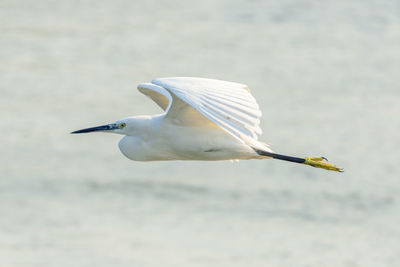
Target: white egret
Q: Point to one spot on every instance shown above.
(203, 119)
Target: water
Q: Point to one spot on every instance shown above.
(324, 73)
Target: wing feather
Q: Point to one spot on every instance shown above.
(226, 125)
(158, 94)
(235, 99)
(237, 106)
(229, 105)
(235, 115)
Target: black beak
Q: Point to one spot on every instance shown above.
(107, 127)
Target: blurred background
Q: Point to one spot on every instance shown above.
(325, 74)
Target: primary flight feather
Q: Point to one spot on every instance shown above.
(203, 119)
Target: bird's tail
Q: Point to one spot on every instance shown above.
(317, 162)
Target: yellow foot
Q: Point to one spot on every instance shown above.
(321, 162)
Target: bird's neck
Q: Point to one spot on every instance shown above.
(143, 126)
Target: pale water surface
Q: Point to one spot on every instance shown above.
(325, 73)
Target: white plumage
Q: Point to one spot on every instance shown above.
(203, 119)
(229, 105)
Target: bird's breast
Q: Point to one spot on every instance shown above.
(145, 149)
(133, 148)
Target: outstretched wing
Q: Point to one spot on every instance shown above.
(158, 94)
(228, 105)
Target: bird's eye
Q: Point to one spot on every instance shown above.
(122, 125)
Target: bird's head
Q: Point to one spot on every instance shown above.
(120, 127)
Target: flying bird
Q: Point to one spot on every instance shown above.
(203, 119)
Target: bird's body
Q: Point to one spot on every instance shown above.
(203, 119)
(158, 138)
